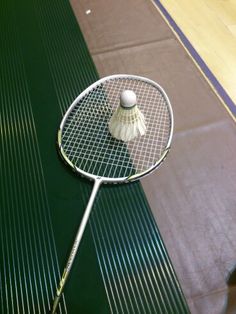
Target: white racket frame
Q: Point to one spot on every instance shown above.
(98, 180)
(132, 177)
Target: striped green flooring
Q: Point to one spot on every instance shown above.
(122, 265)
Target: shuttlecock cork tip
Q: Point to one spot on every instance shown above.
(127, 122)
(128, 99)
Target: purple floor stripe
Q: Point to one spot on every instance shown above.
(219, 88)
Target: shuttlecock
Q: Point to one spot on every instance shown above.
(127, 122)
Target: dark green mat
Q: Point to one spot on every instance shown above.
(122, 265)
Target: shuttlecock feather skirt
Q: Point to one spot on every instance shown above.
(126, 124)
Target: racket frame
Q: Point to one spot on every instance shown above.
(122, 179)
(98, 180)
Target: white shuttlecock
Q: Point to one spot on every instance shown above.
(127, 122)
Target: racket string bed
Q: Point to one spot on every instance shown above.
(88, 144)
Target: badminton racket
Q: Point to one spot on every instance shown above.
(88, 148)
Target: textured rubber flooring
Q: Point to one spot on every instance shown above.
(122, 265)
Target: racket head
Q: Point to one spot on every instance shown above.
(88, 148)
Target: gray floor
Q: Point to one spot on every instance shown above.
(192, 195)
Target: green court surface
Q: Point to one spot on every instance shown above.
(122, 265)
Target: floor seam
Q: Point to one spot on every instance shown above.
(125, 47)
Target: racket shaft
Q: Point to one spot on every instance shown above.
(76, 245)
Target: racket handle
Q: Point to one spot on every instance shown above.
(75, 246)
